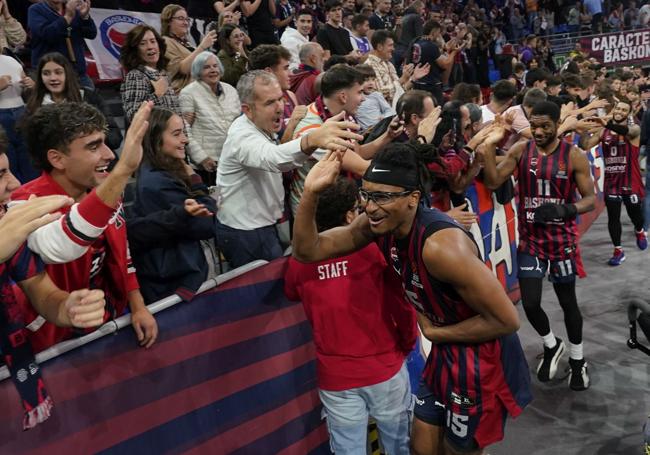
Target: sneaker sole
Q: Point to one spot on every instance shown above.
(555, 360)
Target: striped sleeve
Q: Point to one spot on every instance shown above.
(69, 237)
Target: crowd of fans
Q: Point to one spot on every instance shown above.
(225, 123)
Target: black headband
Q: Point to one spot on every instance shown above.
(385, 174)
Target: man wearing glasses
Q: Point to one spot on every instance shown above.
(60, 26)
(476, 373)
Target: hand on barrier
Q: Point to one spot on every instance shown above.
(145, 326)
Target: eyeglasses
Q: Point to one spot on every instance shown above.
(181, 19)
(381, 197)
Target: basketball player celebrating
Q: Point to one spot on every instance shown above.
(549, 172)
(476, 372)
(623, 183)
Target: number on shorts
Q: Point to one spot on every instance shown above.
(566, 268)
(634, 199)
(457, 423)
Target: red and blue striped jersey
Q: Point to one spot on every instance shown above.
(544, 179)
(622, 169)
(479, 371)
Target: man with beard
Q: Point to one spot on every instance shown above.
(550, 171)
(623, 182)
(462, 308)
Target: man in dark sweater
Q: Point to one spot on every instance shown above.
(58, 26)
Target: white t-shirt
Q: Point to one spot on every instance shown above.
(10, 97)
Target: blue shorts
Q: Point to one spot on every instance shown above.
(563, 271)
(460, 428)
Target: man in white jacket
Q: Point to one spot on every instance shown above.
(294, 38)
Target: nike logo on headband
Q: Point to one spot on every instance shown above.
(375, 169)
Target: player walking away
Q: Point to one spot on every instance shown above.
(549, 172)
(476, 372)
(623, 183)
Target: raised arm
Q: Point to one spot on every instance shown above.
(451, 257)
(308, 244)
(591, 135)
(68, 238)
(495, 174)
(249, 7)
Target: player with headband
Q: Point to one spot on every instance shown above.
(476, 373)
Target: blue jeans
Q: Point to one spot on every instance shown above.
(390, 403)
(241, 247)
(20, 162)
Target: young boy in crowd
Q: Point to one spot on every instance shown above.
(374, 107)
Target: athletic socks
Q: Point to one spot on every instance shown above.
(549, 340)
(575, 351)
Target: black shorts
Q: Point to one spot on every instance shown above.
(563, 271)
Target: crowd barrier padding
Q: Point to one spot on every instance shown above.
(232, 372)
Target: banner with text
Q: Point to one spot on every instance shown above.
(621, 48)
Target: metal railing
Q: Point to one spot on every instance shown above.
(123, 321)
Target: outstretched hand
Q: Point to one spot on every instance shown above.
(427, 127)
(335, 134)
(193, 208)
(324, 173)
(25, 217)
(132, 150)
(459, 214)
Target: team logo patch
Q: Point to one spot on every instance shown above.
(113, 31)
(462, 401)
